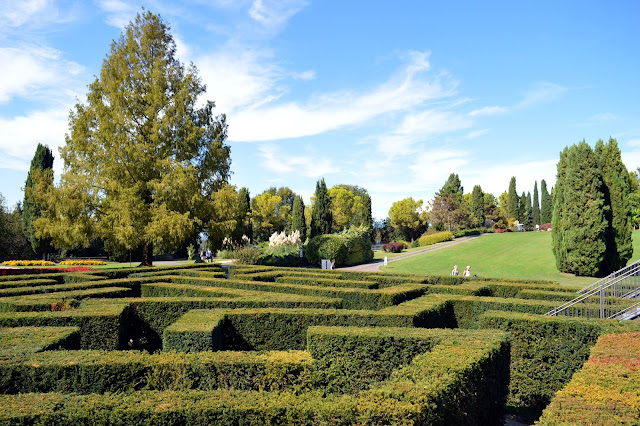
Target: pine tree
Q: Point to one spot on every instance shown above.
(298, 221)
(512, 200)
(368, 216)
(535, 210)
(477, 207)
(546, 203)
(321, 217)
(41, 162)
(580, 213)
(617, 193)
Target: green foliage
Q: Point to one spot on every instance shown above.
(535, 212)
(326, 246)
(148, 186)
(321, 215)
(408, 217)
(271, 212)
(617, 190)
(477, 207)
(448, 207)
(228, 217)
(546, 204)
(298, 222)
(13, 243)
(438, 237)
(512, 200)
(42, 161)
(580, 213)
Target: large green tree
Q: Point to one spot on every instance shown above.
(142, 158)
(546, 203)
(41, 162)
(512, 200)
(408, 217)
(579, 214)
(244, 228)
(448, 207)
(617, 194)
(535, 212)
(347, 206)
(321, 215)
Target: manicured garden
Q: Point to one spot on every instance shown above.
(263, 345)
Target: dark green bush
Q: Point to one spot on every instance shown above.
(326, 246)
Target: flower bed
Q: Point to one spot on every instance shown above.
(28, 263)
(82, 262)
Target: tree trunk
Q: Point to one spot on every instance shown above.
(147, 254)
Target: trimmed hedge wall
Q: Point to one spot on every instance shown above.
(546, 351)
(20, 341)
(606, 390)
(195, 331)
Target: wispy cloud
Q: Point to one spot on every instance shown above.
(119, 12)
(476, 134)
(633, 142)
(273, 14)
(409, 88)
(309, 166)
(541, 93)
(37, 72)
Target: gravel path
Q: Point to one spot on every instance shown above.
(376, 264)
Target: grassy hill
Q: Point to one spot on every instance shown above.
(525, 255)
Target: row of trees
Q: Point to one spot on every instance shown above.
(592, 217)
(453, 210)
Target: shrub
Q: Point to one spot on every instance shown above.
(247, 255)
(393, 247)
(326, 246)
(545, 226)
(427, 240)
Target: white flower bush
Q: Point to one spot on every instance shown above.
(282, 239)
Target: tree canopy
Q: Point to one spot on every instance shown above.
(141, 160)
(408, 217)
(321, 215)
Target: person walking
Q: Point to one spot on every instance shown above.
(455, 271)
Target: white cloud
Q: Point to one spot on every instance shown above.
(119, 13)
(604, 116)
(494, 178)
(15, 14)
(633, 142)
(309, 166)
(37, 72)
(273, 14)
(406, 90)
(20, 137)
(304, 75)
(490, 110)
(476, 133)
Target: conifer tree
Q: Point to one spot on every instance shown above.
(546, 203)
(528, 216)
(535, 210)
(244, 228)
(522, 208)
(142, 158)
(41, 163)
(512, 200)
(579, 216)
(617, 193)
(321, 217)
(298, 221)
(368, 216)
(477, 207)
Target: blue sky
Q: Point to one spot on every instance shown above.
(390, 96)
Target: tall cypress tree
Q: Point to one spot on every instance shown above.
(522, 208)
(617, 190)
(245, 227)
(535, 209)
(297, 218)
(580, 213)
(477, 206)
(512, 200)
(546, 203)
(321, 217)
(42, 161)
(368, 216)
(528, 216)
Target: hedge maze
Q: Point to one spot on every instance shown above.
(261, 345)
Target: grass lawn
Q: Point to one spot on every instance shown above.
(525, 255)
(380, 254)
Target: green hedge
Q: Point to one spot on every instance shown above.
(438, 237)
(546, 351)
(556, 296)
(16, 342)
(27, 283)
(433, 389)
(50, 288)
(102, 323)
(352, 298)
(99, 372)
(195, 331)
(326, 246)
(327, 282)
(607, 388)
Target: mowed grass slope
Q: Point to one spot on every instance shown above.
(524, 255)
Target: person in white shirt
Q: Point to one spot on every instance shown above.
(455, 271)
(467, 272)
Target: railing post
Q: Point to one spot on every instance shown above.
(602, 301)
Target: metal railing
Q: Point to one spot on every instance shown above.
(615, 296)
